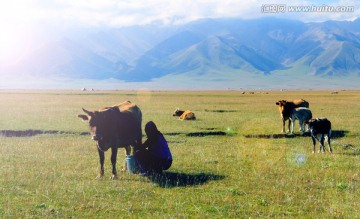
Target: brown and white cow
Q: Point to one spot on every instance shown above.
(114, 127)
(286, 107)
(184, 114)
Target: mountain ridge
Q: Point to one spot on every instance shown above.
(259, 46)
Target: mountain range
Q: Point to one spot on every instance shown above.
(263, 47)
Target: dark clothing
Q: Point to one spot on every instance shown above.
(154, 155)
(150, 163)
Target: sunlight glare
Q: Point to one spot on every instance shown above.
(13, 44)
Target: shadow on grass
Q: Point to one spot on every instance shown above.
(222, 111)
(338, 133)
(173, 133)
(351, 153)
(203, 134)
(334, 134)
(274, 136)
(197, 134)
(31, 132)
(171, 179)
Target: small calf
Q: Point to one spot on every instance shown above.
(184, 114)
(302, 114)
(319, 129)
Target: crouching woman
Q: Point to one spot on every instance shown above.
(154, 155)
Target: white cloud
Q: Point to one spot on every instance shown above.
(130, 12)
(143, 12)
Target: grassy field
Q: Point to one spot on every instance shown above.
(227, 164)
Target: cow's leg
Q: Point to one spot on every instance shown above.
(127, 152)
(289, 123)
(283, 125)
(102, 160)
(114, 150)
(319, 140)
(314, 142)
(322, 146)
(292, 125)
(308, 128)
(328, 140)
(138, 143)
(301, 124)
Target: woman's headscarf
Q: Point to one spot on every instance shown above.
(151, 130)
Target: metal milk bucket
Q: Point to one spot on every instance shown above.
(131, 163)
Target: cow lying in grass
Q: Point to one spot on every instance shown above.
(319, 129)
(302, 114)
(285, 108)
(184, 114)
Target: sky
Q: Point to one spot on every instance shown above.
(130, 12)
(23, 21)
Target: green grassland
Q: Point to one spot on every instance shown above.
(227, 164)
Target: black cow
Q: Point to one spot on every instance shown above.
(319, 128)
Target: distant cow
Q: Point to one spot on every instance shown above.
(113, 127)
(302, 114)
(285, 108)
(319, 129)
(184, 114)
(178, 112)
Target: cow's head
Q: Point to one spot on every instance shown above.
(312, 123)
(178, 112)
(285, 107)
(100, 124)
(281, 103)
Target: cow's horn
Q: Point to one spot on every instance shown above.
(88, 112)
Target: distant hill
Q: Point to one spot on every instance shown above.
(262, 47)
